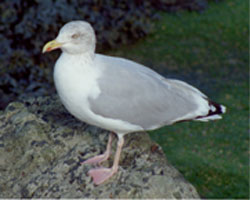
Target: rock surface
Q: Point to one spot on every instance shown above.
(42, 146)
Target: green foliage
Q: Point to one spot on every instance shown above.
(210, 51)
(174, 5)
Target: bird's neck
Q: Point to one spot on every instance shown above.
(86, 57)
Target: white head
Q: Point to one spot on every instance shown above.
(75, 37)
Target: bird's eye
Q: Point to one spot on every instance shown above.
(75, 36)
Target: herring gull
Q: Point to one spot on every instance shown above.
(119, 95)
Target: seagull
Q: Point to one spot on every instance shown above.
(118, 94)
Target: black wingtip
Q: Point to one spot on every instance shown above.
(215, 110)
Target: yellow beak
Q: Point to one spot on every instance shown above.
(52, 45)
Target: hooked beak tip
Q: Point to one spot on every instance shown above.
(50, 46)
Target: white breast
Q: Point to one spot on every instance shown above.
(75, 78)
(75, 82)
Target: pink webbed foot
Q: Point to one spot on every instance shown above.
(100, 175)
(96, 159)
(100, 158)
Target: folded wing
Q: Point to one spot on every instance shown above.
(138, 95)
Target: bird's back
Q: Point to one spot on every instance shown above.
(140, 96)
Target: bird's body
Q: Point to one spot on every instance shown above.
(76, 99)
(86, 97)
(118, 94)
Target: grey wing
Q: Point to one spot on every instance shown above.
(138, 95)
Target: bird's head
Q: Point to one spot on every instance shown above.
(75, 37)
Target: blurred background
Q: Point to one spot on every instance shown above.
(202, 42)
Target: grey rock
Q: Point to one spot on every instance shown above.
(42, 147)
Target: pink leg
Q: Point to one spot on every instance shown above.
(100, 175)
(100, 158)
